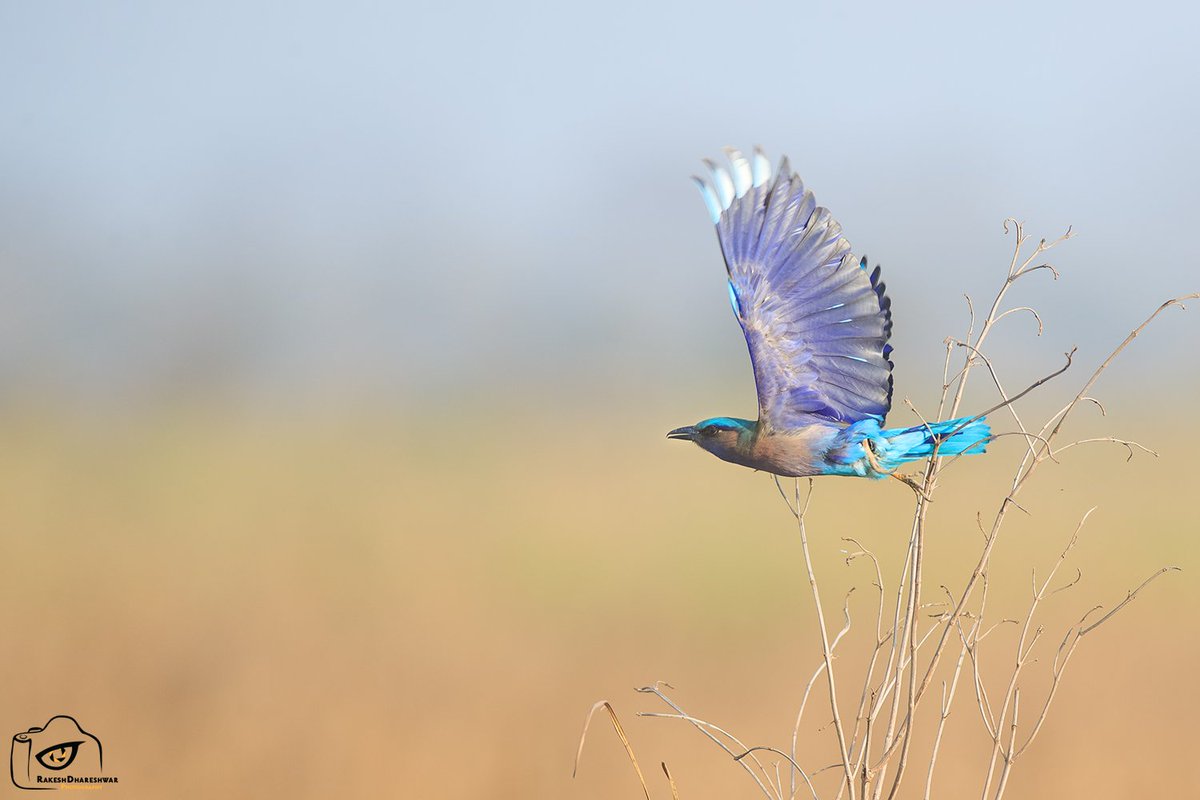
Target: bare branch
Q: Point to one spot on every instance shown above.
(1127, 444)
(1129, 598)
(826, 649)
(1010, 400)
(791, 761)
(704, 727)
(1069, 584)
(1041, 328)
(1066, 649)
(1028, 270)
(947, 700)
(1062, 417)
(794, 509)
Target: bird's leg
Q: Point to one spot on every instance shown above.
(869, 450)
(912, 484)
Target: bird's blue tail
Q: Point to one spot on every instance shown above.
(900, 446)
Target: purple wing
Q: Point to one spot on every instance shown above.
(816, 321)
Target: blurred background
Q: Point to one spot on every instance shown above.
(338, 342)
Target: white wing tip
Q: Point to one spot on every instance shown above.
(727, 185)
(762, 167)
(721, 182)
(710, 199)
(742, 173)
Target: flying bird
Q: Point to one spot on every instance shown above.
(817, 323)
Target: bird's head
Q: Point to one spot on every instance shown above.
(724, 437)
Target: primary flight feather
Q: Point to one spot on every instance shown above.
(817, 323)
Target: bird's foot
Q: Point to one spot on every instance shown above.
(869, 450)
(913, 484)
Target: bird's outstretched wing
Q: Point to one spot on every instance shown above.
(816, 321)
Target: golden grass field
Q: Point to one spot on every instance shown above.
(354, 606)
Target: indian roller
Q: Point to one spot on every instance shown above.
(817, 324)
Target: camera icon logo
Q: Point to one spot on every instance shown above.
(60, 754)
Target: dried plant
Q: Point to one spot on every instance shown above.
(874, 729)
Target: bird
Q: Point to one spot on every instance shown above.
(817, 323)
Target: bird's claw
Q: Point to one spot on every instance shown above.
(912, 484)
(905, 479)
(869, 450)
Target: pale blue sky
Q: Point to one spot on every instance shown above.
(419, 199)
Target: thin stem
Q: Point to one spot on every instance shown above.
(826, 650)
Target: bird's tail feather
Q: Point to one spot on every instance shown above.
(952, 437)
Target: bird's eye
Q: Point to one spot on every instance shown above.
(708, 430)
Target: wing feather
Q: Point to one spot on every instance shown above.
(815, 320)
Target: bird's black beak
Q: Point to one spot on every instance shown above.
(687, 433)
